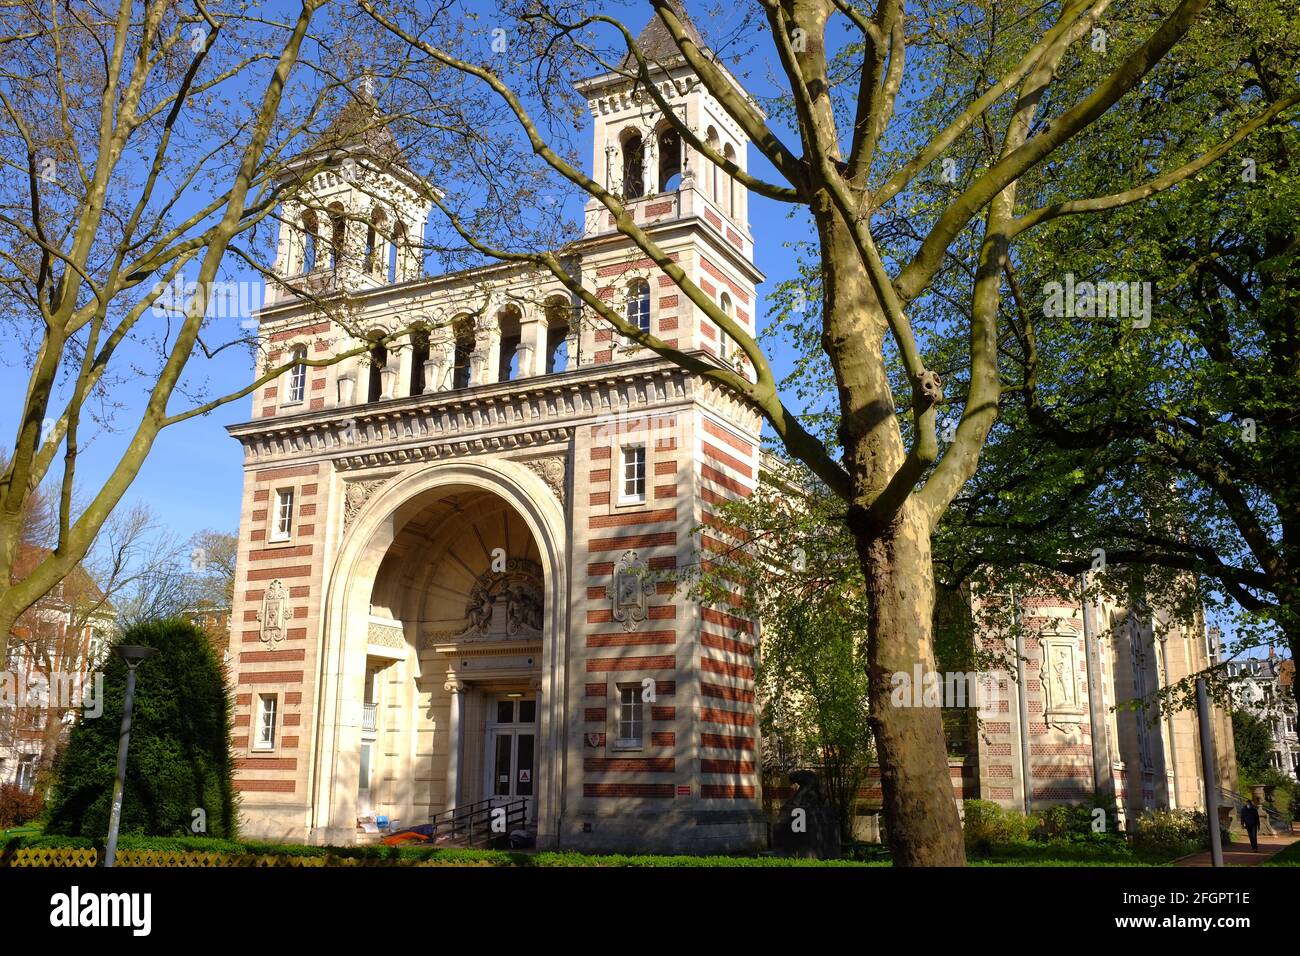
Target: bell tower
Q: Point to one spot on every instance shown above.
(356, 219)
(638, 154)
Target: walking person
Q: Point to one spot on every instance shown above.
(1250, 820)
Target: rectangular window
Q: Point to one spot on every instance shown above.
(283, 520)
(26, 778)
(633, 474)
(631, 717)
(266, 717)
(298, 377)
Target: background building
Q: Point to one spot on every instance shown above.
(1263, 688)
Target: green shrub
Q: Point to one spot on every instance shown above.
(180, 757)
(17, 806)
(1076, 823)
(1171, 831)
(988, 825)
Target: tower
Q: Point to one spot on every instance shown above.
(460, 554)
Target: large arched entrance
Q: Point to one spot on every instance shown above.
(443, 663)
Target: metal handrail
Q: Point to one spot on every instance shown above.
(1238, 801)
(472, 822)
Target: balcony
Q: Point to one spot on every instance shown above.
(369, 718)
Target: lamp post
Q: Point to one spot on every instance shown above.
(132, 654)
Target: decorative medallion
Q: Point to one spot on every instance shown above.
(628, 590)
(553, 471)
(273, 612)
(356, 494)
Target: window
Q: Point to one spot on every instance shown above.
(631, 717)
(633, 474)
(419, 355)
(397, 254)
(309, 228)
(638, 305)
(378, 362)
(732, 190)
(463, 330)
(282, 521)
(338, 234)
(670, 161)
(266, 717)
(26, 777)
(633, 167)
(298, 375)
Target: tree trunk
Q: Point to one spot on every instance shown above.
(920, 809)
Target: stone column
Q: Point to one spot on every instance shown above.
(486, 363)
(437, 370)
(532, 344)
(404, 359)
(455, 729)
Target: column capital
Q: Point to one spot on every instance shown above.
(455, 686)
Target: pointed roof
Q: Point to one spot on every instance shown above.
(359, 126)
(656, 43)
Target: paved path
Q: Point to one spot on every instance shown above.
(1240, 854)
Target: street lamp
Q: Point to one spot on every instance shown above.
(132, 654)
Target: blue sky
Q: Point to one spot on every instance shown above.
(193, 477)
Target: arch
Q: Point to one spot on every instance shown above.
(341, 672)
(510, 327)
(464, 341)
(397, 254)
(338, 234)
(633, 150)
(310, 232)
(376, 363)
(557, 309)
(714, 144)
(670, 158)
(420, 352)
(730, 188)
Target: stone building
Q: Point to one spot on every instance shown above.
(1264, 689)
(452, 550)
(1082, 702)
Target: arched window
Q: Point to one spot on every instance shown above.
(638, 304)
(508, 321)
(374, 237)
(419, 355)
(338, 235)
(558, 358)
(378, 362)
(724, 303)
(633, 166)
(397, 254)
(310, 229)
(463, 330)
(714, 144)
(298, 375)
(729, 200)
(670, 160)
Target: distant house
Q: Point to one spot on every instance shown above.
(1264, 689)
(55, 645)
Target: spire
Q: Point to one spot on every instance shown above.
(359, 127)
(657, 44)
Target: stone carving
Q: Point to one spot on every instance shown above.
(505, 604)
(386, 635)
(808, 826)
(274, 612)
(628, 590)
(356, 495)
(1060, 679)
(552, 471)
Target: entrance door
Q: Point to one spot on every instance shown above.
(512, 750)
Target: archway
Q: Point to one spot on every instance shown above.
(449, 597)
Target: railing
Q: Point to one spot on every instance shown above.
(478, 824)
(1237, 801)
(369, 717)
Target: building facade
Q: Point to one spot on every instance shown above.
(1263, 687)
(456, 557)
(1077, 720)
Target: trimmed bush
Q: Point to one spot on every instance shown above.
(18, 806)
(179, 760)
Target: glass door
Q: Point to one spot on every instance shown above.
(512, 746)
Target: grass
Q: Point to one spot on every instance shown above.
(1288, 857)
